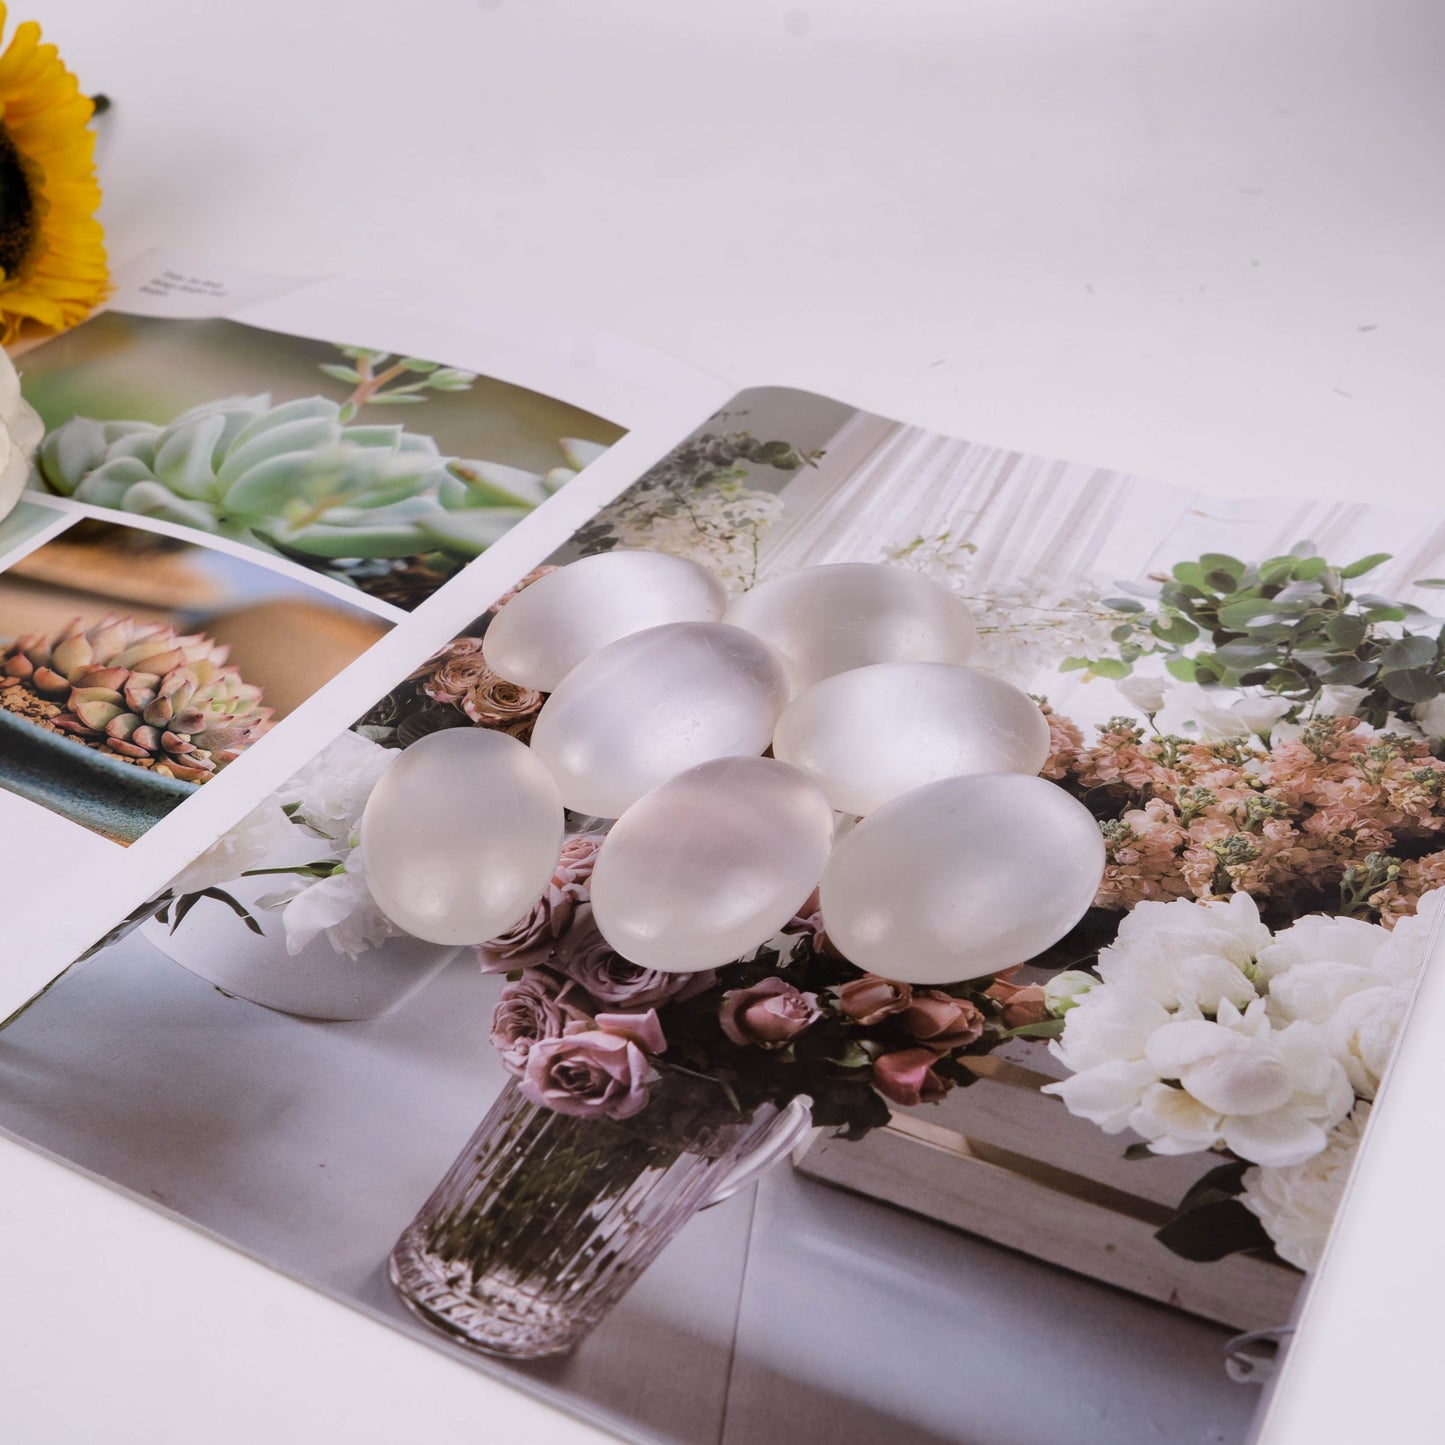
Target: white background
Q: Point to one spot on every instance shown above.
(1188, 238)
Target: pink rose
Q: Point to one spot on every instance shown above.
(942, 1021)
(492, 701)
(1023, 1004)
(589, 1073)
(586, 956)
(808, 920)
(536, 574)
(536, 1007)
(533, 939)
(870, 999)
(769, 1014)
(908, 1077)
(450, 672)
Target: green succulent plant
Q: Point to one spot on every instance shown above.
(142, 692)
(298, 479)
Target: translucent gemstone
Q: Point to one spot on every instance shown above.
(549, 627)
(874, 733)
(848, 614)
(961, 878)
(461, 835)
(651, 705)
(710, 864)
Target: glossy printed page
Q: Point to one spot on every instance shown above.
(1149, 1123)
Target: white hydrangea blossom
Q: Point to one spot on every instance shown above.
(1297, 1204)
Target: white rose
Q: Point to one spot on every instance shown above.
(1431, 716)
(1408, 944)
(1298, 1202)
(1187, 953)
(263, 835)
(1339, 699)
(1362, 1034)
(1193, 711)
(1320, 939)
(20, 433)
(341, 907)
(1108, 1023)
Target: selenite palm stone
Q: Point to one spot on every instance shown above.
(961, 878)
(566, 616)
(874, 733)
(461, 835)
(710, 864)
(843, 615)
(654, 704)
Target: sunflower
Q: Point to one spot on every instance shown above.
(52, 260)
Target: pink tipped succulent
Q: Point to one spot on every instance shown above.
(143, 692)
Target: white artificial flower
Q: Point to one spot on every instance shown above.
(330, 792)
(262, 835)
(1145, 692)
(1186, 953)
(1297, 1203)
(1209, 714)
(1321, 938)
(20, 433)
(1109, 1023)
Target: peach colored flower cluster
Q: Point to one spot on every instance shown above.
(1338, 815)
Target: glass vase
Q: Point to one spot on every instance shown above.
(545, 1220)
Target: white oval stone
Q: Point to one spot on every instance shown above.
(711, 864)
(961, 878)
(566, 616)
(869, 735)
(649, 706)
(849, 614)
(461, 835)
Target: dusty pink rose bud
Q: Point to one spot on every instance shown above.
(769, 1014)
(1023, 1004)
(494, 702)
(644, 1029)
(808, 921)
(532, 940)
(589, 1073)
(536, 1007)
(870, 999)
(942, 1021)
(907, 1077)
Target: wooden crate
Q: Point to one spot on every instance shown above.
(1006, 1162)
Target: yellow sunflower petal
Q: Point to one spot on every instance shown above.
(52, 260)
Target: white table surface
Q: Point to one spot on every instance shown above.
(1195, 240)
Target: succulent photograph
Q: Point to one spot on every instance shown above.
(290, 446)
(134, 669)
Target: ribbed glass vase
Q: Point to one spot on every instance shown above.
(546, 1220)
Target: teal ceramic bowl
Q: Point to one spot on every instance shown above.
(91, 788)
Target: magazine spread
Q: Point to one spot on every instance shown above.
(539, 1154)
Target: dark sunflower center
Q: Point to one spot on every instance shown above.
(17, 207)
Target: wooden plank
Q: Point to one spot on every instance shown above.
(1052, 1214)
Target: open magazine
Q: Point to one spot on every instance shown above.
(269, 529)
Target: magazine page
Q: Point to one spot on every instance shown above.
(258, 499)
(1112, 1152)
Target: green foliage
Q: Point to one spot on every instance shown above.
(1210, 1222)
(1289, 625)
